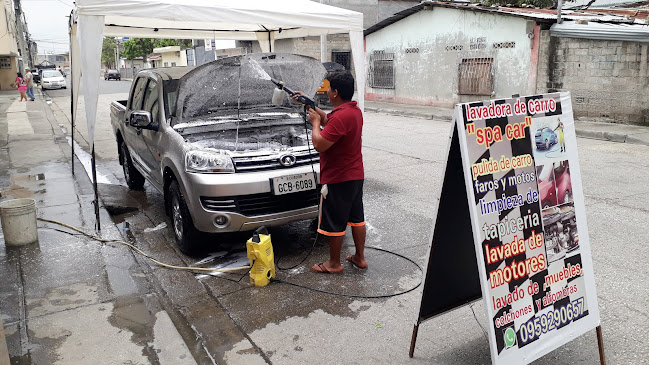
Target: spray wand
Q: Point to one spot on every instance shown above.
(277, 95)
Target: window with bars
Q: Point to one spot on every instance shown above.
(382, 70)
(475, 76)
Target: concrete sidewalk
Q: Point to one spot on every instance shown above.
(67, 299)
(584, 127)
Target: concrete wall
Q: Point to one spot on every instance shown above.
(8, 46)
(388, 8)
(369, 8)
(607, 79)
(442, 37)
(310, 46)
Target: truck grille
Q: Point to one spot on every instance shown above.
(271, 162)
(260, 204)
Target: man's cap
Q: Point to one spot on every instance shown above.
(27, 68)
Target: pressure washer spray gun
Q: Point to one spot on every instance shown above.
(278, 95)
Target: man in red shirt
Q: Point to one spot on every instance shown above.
(341, 169)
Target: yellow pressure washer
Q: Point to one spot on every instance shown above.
(260, 254)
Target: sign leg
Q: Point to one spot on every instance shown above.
(600, 345)
(413, 340)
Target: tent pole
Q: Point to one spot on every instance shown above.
(94, 183)
(71, 96)
(72, 117)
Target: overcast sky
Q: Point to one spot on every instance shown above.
(47, 21)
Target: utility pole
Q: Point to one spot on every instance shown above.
(559, 6)
(117, 54)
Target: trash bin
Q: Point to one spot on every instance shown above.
(19, 221)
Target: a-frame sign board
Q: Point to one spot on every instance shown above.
(511, 228)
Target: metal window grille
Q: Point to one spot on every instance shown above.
(382, 70)
(343, 58)
(476, 76)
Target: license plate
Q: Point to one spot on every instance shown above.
(293, 183)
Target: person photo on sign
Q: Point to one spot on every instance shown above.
(562, 140)
(337, 136)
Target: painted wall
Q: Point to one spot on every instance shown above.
(437, 40)
(8, 47)
(607, 79)
(170, 55)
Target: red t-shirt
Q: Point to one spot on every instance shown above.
(343, 161)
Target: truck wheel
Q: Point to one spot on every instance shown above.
(184, 230)
(134, 179)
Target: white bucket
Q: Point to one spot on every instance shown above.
(19, 221)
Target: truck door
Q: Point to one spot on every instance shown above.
(135, 143)
(151, 138)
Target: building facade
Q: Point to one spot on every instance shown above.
(17, 50)
(441, 54)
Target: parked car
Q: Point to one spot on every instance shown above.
(562, 182)
(52, 79)
(547, 187)
(37, 76)
(545, 138)
(222, 154)
(112, 75)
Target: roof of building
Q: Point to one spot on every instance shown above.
(638, 16)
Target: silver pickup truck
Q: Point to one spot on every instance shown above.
(213, 142)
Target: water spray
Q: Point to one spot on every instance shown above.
(278, 95)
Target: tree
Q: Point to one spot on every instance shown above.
(138, 47)
(142, 47)
(108, 52)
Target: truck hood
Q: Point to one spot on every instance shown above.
(233, 85)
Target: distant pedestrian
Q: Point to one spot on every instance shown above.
(21, 85)
(29, 78)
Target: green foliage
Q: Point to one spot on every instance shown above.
(108, 52)
(137, 47)
(142, 47)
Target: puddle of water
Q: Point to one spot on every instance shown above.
(35, 177)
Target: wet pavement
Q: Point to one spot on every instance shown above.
(61, 293)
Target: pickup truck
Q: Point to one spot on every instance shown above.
(215, 142)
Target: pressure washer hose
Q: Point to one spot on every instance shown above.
(104, 240)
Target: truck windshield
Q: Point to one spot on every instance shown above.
(243, 83)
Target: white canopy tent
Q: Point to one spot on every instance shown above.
(256, 20)
(261, 20)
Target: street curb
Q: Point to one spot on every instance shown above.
(585, 133)
(612, 137)
(409, 113)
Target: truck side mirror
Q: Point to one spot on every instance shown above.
(142, 119)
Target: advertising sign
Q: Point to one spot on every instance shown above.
(528, 223)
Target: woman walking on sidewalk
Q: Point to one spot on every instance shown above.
(21, 85)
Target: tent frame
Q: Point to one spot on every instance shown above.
(253, 20)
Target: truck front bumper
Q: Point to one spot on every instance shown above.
(245, 201)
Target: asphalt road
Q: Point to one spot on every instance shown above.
(404, 159)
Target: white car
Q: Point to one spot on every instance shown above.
(52, 79)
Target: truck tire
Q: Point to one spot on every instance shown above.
(134, 179)
(181, 221)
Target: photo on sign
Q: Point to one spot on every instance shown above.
(549, 138)
(555, 186)
(560, 231)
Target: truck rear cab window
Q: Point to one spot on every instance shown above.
(138, 93)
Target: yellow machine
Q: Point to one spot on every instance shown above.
(260, 254)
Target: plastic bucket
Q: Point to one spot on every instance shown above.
(19, 221)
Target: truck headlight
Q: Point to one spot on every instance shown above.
(208, 161)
